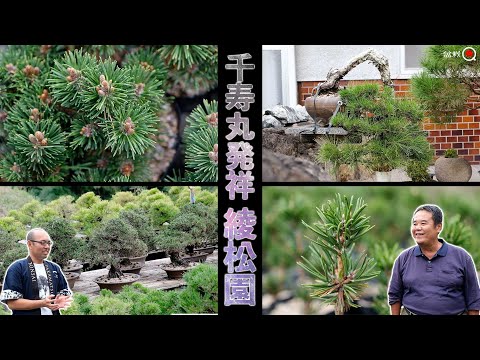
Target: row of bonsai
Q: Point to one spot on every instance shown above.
(122, 244)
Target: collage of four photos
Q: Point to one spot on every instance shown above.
(111, 173)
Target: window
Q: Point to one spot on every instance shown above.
(410, 58)
(278, 76)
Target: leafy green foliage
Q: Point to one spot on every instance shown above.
(339, 274)
(107, 304)
(458, 233)
(141, 223)
(201, 140)
(385, 256)
(12, 198)
(451, 153)
(13, 227)
(446, 82)
(201, 294)
(418, 171)
(80, 305)
(384, 132)
(10, 250)
(193, 68)
(65, 245)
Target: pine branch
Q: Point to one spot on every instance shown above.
(339, 275)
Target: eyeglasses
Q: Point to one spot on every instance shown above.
(43, 242)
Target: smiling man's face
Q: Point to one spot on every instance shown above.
(423, 230)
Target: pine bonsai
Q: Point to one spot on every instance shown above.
(65, 245)
(111, 242)
(91, 113)
(139, 220)
(340, 274)
(383, 132)
(447, 80)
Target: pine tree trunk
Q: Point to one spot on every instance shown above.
(334, 76)
(114, 272)
(340, 305)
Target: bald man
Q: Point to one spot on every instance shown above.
(34, 285)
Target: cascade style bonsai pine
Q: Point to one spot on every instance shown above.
(383, 132)
(91, 113)
(340, 274)
(447, 80)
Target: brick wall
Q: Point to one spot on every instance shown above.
(463, 134)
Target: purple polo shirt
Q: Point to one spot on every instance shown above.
(445, 285)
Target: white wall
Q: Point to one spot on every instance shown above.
(314, 61)
(271, 76)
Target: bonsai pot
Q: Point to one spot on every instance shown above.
(206, 250)
(176, 272)
(116, 284)
(133, 268)
(199, 257)
(322, 107)
(73, 267)
(452, 169)
(71, 277)
(139, 259)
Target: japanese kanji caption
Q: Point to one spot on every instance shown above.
(239, 225)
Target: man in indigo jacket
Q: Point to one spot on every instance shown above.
(433, 277)
(35, 286)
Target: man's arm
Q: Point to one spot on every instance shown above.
(471, 289)
(26, 304)
(395, 308)
(395, 289)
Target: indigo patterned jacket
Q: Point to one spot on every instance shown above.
(21, 283)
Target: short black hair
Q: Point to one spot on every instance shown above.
(437, 213)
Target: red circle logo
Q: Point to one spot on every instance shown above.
(468, 53)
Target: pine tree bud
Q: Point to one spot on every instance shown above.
(44, 49)
(101, 92)
(86, 130)
(69, 78)
(15, 168)
(3, 116)
(102, 163)
(39, 135)
(36, 70)
(44, 142)
(44, 97)
(102, 78)
(129, 126)
(32, 139)
(215, 147)
(11, 69)
(139, 88)
(127, 168)
(35, 115)
(105, 84)
(212, 119)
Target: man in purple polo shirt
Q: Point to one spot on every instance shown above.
(433, 277)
